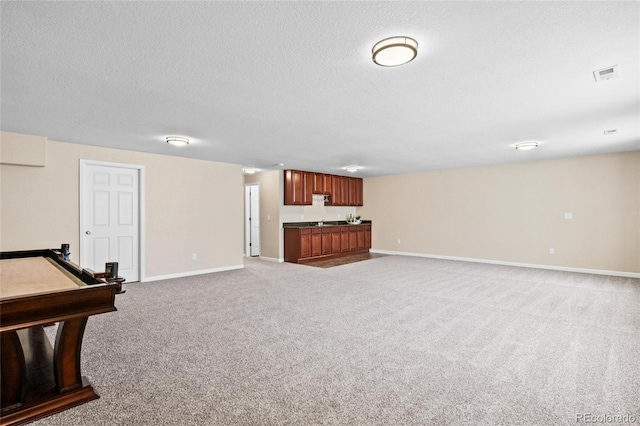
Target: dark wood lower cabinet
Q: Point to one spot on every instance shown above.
(305, 243)
(314, 243)
(353, 240)
(344, 239)
(335, 241)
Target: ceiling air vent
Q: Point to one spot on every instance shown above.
(606, 73)
(611, 132)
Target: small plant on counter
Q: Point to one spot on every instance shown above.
(353, 219)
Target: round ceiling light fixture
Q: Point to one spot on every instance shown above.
(395, 51)
(177, 140)
(249, 170)
(352, 168)
(526, 145)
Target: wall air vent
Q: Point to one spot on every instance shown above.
(606, 73)
(611, 132)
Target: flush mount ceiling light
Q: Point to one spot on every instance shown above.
(395, 51)
(177, 140)
(249, 170)
(352, 168)
(526, 145)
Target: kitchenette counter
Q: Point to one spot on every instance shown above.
(326, 224)
(308, 241)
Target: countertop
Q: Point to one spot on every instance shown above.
(326, 224)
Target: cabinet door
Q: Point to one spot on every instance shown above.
(293, 187)
(327, 181)
(335, 240)
(367, 236)
(326, 241)
(360, 238)
(305, 243)
(359, 197)
(307, 188)
(345, 191)
(352, 192)
(344, 239)
(336, 190)
(316, 242)
(318, 183)
(353, 238)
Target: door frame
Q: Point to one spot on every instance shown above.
(141, 207)
(247, 223)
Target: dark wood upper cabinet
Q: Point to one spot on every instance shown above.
(345, 190)
(328, 179)
(307, 194)
(318, 183)
(352, 191)
(359, 198)
(321, 183)
(299, 187)
(293, 187)
(336, 190)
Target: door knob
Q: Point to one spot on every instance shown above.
(88, 232)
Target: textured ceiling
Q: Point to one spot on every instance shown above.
(261, 83)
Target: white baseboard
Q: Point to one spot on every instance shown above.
(191, 273)
(525, 265)
(272, 259)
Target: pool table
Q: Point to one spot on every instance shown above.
(40, 288)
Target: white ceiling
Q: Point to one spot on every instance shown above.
(261, 83)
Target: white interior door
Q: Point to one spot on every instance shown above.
(255, 220)
(252, 219)
(110, 219)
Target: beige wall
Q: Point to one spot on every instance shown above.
(269, 182)
(191, 206)
(315, 212)
(515, 212)
(24, 150)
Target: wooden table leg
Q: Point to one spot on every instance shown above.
(13, 382)
(66, 355)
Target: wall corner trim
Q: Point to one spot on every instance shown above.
(523, 265)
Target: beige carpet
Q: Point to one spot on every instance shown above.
(388, 341)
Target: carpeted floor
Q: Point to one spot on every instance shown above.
(388, 341)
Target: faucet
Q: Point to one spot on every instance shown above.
(321, 222)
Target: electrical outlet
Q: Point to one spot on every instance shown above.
(268, 217)
(552, 251)
(398, 240)
(194, 256)
(568, 215)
